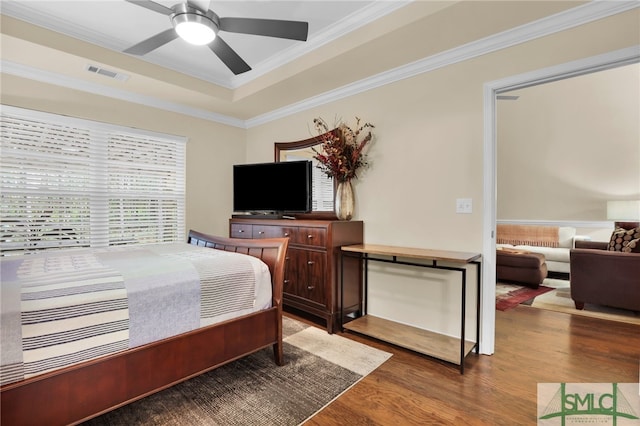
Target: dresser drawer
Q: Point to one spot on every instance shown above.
(241, 230)
(309, 236)
(267, 231)
(305, 275)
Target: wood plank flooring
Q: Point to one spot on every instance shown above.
(532, 346)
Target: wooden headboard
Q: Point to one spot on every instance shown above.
(271, 251)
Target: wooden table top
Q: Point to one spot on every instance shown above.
(412, 252)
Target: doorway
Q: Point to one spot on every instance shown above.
(491, 91)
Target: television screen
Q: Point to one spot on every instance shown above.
(272, 187)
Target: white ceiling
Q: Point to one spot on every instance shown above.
(118, 24)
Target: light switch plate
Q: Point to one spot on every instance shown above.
(464, 205)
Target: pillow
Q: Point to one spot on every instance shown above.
(625, 240)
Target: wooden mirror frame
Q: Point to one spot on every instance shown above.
(280, 147)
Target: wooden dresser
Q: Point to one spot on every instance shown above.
(312, 270)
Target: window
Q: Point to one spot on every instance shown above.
(321, 184)
(68, 182)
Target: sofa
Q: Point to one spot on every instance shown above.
(554, 242)
(607, 273)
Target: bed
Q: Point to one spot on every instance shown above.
(75, 393)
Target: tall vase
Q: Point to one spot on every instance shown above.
(344, 202)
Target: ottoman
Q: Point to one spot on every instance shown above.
(521, 267)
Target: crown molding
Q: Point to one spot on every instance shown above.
(571, 18)
(361, 17)
(56, 79)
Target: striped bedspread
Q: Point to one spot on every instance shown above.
(64, 307)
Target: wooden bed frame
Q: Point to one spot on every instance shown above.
(77, 393)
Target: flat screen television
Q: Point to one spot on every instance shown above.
(272, 188)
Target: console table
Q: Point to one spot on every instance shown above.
(443, 347)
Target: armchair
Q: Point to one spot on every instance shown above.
(604, 277)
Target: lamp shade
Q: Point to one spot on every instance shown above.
(623, 210)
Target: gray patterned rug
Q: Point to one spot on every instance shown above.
(254, 391)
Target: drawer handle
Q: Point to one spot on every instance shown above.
(241, 230)
(287, 258)
(287, 281)
(286, 234)
(260, 232)
(311, 287)
(309, 236)
(310, 262)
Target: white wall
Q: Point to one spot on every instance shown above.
(566, 148)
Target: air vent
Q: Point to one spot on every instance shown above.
(107, 73)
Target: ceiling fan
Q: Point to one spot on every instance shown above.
(200, 27)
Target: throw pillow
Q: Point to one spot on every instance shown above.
(625, 240)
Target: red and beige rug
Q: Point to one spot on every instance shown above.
(509, 296)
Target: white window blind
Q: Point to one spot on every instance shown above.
(321, 184)
(322, 196)
(67, 182)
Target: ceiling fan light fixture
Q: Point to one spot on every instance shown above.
(194, 27)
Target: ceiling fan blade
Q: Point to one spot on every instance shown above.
(156, 7)
(294, 30)
(153, 43)
(227, 55)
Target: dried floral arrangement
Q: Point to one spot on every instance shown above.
(342, 150)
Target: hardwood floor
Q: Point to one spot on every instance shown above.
(532, 346)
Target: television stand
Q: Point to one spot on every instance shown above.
(313, 264)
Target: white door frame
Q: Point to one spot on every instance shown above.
(491, 89)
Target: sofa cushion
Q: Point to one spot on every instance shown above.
(566, 236)
(625, 240)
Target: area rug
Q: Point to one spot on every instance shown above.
(559, 300)
(318, 368)
(509, 296)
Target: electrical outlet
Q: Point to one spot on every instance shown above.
(464, 205)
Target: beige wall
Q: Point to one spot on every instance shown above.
(565, 148)
(212, 148)
(428, 152)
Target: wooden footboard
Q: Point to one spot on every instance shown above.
(80, 392)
